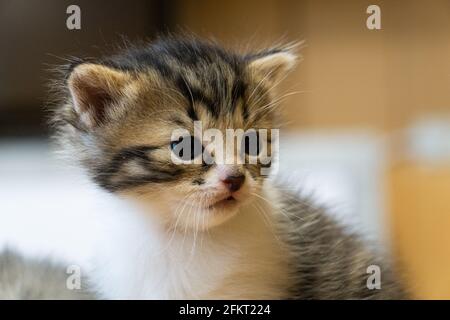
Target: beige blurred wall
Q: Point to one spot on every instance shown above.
(355, 77)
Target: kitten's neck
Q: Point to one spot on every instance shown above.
(233, 260)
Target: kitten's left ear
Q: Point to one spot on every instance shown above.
(94, 89)
(272, 67)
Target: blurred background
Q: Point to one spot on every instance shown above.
(368, 129)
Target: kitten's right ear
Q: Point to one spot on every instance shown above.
(273, 66)
(94, 89)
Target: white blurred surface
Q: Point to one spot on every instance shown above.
(428, 139)
(45, 207)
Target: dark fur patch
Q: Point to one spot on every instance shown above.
(108, 176)
(198, 181)
(192, 95)
(237, 92)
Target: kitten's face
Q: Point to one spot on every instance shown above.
(123, 113)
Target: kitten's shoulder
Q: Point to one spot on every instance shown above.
(330, 261)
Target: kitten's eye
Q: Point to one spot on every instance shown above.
(186, 148)
(251, 143)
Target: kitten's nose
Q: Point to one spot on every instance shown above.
(234, 183)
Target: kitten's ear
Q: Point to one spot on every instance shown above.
(93, 89)
(272, 67)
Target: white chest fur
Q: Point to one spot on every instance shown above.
(139, 259)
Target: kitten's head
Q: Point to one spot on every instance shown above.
(130, 119)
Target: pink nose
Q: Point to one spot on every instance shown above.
(234, 183)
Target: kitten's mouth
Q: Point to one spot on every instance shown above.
(224, 203)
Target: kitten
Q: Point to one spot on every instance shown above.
(199, 230)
